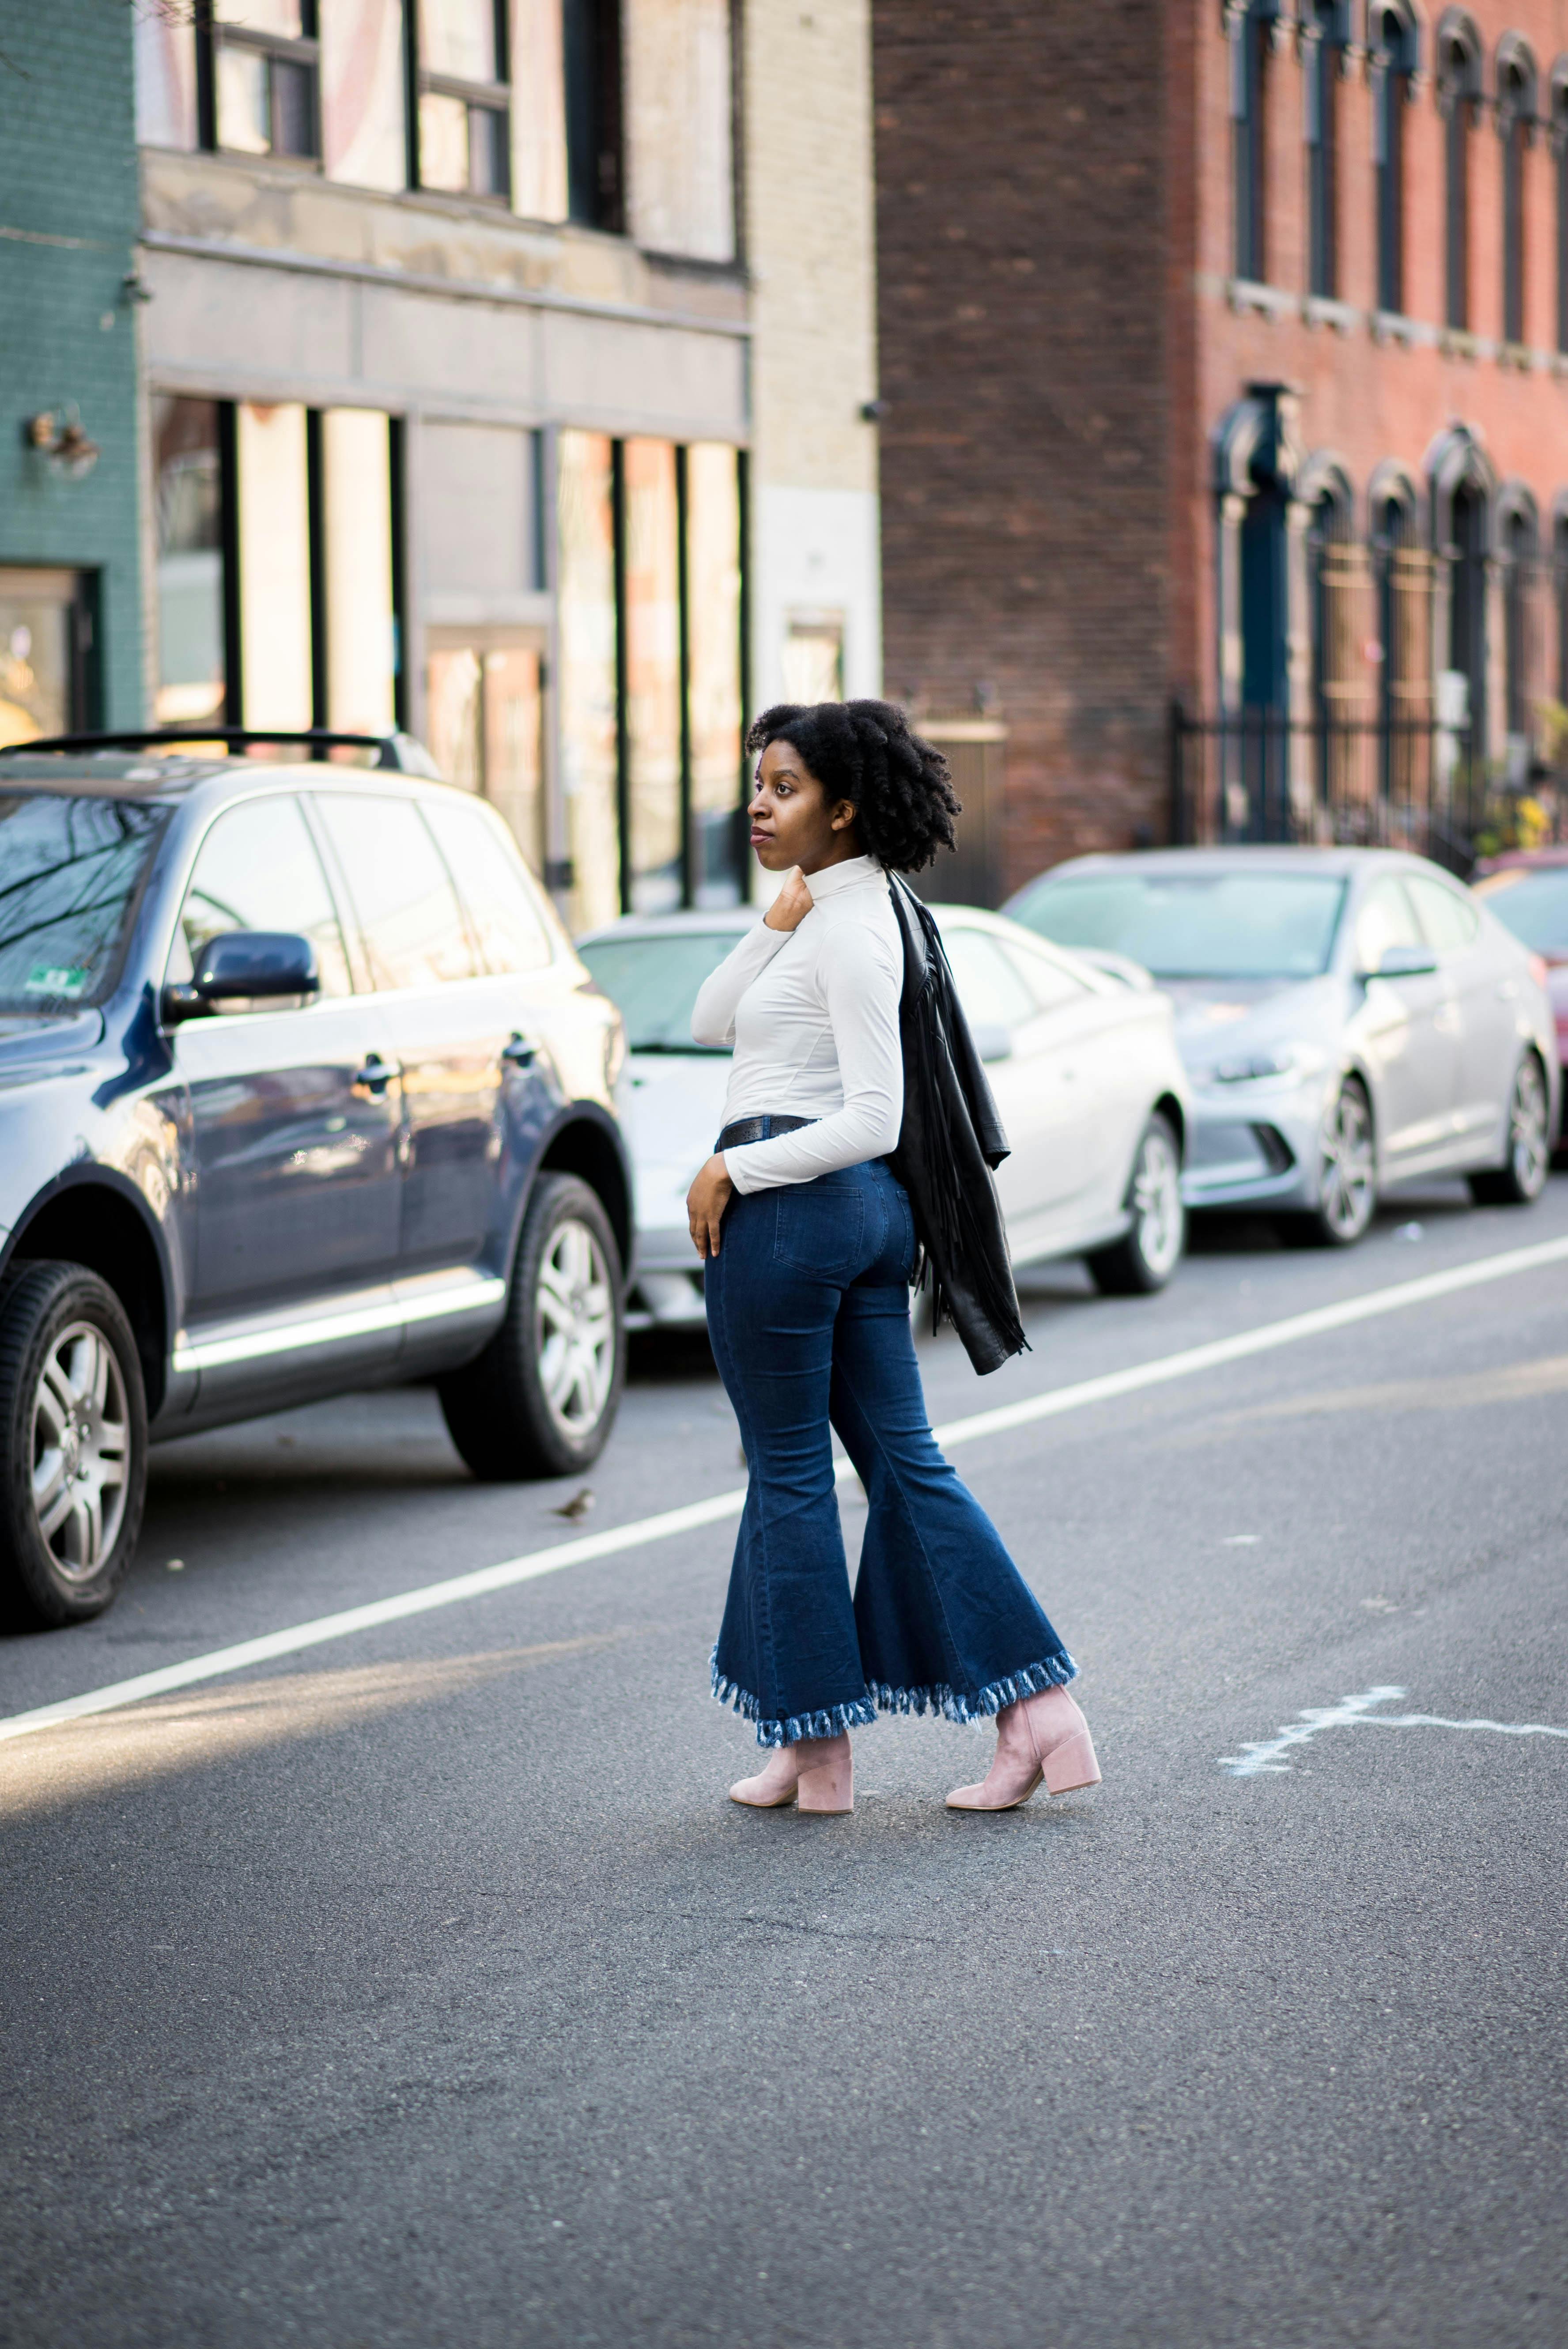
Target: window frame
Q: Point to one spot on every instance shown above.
(1459, 97)
(212, 37)
(1392, 66)
(1517, 88)
(491, 97)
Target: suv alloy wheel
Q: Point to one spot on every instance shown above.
(542, 1398)
(73, 1442)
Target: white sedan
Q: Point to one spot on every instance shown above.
(1082, 1060)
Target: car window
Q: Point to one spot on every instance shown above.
(510, 931)
(1046, 982)
(257, 869)
(1448, 921)
(70, 871)
(653, 982)
(1534, 904)
(1224, 924)
(989, 988)
(1387, 919)
(409, 916)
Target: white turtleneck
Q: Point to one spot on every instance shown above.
(812, 1013)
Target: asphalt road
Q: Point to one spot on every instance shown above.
(422, 1987)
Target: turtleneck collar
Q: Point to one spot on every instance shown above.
(832, 878)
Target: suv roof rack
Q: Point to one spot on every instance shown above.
(400, 753)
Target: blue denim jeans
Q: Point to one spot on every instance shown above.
(808, 1307)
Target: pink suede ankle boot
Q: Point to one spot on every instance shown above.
(775, 1785)
(1042, 1736)
(827, 1773)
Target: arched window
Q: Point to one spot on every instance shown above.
(1459, 93)
(1249, 25)
(1560, 593)
(1515, 127)
(1518, 546)
(1337, 573)
(1560, 161)
(1403, 570)
(1324, 35)
(1393, 45)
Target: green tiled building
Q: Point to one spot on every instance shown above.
(70, 570)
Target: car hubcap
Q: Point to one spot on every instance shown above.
(81, 1446)
(1527, 1129)
(1348, 1195)
(576, 1328)
(1157, 1204)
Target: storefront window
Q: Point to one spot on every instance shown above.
(485, 718)
(40, 649)
(361, 634)
(712, 671)
(275, 565)
(587, 635)
(190, 524)
(653, 677)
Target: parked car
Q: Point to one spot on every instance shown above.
(1349, 1018)
(1084, 1066)
(301, 1089)
(1527, 889)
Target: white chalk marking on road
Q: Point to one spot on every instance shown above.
(1354, 1713)
(459, 1588)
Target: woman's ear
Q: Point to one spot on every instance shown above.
(842, 816)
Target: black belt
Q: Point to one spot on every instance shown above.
(742, 1130)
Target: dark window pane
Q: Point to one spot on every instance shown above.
(501, 904)
(487, 150)
(409, 913)
(258, 870)
(294, 108)
(70, 869)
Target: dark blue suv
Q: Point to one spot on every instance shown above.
(301, 1089)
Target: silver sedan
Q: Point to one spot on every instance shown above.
(1349, 1018)
(1081, 1056)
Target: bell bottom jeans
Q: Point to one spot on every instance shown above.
(808, 1307)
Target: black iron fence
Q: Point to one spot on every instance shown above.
(1414, 783)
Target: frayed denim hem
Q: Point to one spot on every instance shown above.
(860, 1715)
(1053, 1671)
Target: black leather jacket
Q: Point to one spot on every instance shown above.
(948, 1145)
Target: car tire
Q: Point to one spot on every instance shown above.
(73, 1443)
(1347, 1177)
(1521, 1178)
(1146, 1255)
(542, 1398)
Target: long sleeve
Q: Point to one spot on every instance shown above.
(713, 1013)
(862, 979)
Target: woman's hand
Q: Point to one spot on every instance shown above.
(790, 906)
(705, 1202)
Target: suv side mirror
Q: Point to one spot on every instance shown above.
(257, 963)
(1405, 962)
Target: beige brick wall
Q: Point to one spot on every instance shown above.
(810, 240)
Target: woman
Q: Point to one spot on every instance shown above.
(809, 1248)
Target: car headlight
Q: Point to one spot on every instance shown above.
(1255, 1068)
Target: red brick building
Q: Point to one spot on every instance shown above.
(1224, 350)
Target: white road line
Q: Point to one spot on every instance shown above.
(1259, 1753)
(460, 1587)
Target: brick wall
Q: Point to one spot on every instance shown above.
(68, 231)
(1025, 454)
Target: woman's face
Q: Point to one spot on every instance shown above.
(792, 821)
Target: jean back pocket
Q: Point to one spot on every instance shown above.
(821, 1227)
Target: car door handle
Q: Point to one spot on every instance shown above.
(519, 1053)
(375, 1075)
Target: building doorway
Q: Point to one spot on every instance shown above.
(486, 712)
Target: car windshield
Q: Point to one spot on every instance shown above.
(1533, 905)
(1195, 925)
(652, 983)
(69, 872)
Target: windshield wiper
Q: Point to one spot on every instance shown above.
(657, 1045)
